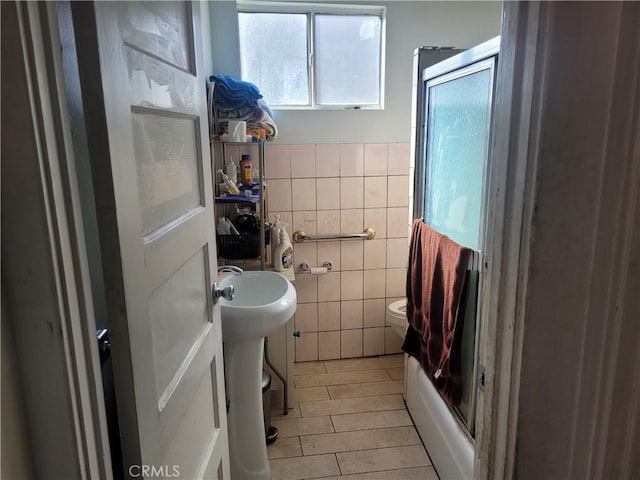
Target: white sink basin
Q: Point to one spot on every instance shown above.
(263, 301)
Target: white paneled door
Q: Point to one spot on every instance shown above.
(145, 112)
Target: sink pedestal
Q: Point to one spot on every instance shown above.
(247, 443)
(263, 302)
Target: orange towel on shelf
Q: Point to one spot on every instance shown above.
(436, 285)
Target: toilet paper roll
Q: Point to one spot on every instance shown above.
(237, 131)
(318, 270)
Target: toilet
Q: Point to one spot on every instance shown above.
(397, 317)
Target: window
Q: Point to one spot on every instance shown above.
(313, 56)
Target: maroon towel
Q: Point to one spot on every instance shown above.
(436, 282)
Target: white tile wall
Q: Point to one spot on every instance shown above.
(351, 314)
(328, 193)
(344, 188)
(352, 220)
(351, 285)
(351, 192)
(352, 255)
(329, 316)
(329, 287)
(375, 159)
(351, 160)
(351, 343)
(327, 161)
(303, 193)
(303, 161)
(328, 345)
(373, 341)
(375, 192)
(375, 310)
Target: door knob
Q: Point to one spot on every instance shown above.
(217, 292)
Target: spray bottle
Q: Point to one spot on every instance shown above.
(275, 238)
(232, 188)
(284, 251)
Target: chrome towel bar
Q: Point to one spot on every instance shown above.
(299, 236)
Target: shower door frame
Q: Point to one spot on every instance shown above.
(474, 60)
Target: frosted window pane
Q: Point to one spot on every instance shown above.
(273, 56)
(347, 59)
(457, 135)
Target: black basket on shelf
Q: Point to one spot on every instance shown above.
(245, 245)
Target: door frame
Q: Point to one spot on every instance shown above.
(598, 438)
(51, 312)
(524, 56)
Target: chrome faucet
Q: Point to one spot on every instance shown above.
(230, 268)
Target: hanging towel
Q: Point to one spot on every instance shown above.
(436, 285)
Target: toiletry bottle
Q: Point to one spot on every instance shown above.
(275, 238)
(231, 186)
(232, 170)
(284, 251)
(224, 227)
(246, 170)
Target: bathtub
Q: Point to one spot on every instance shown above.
(449, 447)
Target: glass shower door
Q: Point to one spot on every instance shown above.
(456, 134)
(457, 141)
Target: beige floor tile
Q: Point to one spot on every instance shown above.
(396, 373)
(341, 378)
(278, 413)
(421, 473)
(365, 389)
(351, 405)
(366, 421)
(308, 368)
(382, 459)
(304, 467)
(356, 364)
(302, 426)
(359, 440)
(284, 448)
(311, 393)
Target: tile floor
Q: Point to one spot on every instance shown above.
(349, 422)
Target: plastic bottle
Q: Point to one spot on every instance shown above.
(232, 188)
(284, 251)
(275, 238)
(232, 170)
(246, 169)
(224, 226)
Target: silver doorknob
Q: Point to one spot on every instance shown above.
(217, 292)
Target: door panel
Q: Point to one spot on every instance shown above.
(166, 153)
(157, 234)
(159, 29)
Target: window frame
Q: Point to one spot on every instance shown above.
(310, 10)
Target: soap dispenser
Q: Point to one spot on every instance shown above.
(283, 258)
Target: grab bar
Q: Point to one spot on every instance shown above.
(299, 236)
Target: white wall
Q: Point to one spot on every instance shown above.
(409, 25)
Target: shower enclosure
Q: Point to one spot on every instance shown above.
(453, 104)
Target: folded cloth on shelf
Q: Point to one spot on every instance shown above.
(231, 93)
(231, 99)
(436, 286)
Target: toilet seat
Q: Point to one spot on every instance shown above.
(397, 316)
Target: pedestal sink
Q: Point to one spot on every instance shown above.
(263, 302)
